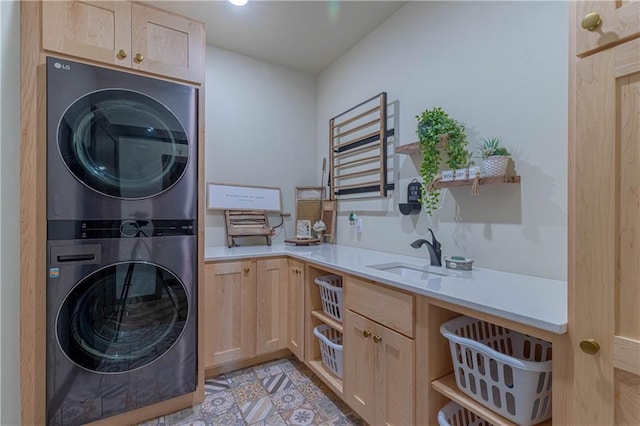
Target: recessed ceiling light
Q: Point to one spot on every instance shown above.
(238, 2)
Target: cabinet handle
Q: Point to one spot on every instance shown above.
(122, 53)
(366, 333)
(246, 270)
(590, 346)
(591, 21)
(138, 58)
(377, 339)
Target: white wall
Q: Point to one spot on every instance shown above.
(260, 130)
(9, 213)
(501, 69)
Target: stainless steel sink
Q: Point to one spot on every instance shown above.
(411, 271)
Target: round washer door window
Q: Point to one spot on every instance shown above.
(122, 317)
(123, 144)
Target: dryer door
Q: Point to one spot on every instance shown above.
(123, 144)
(122, 317)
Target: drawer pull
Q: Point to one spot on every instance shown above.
(590, 346)
(366, 333)
(591, 21)
(138, 58)
(377, 339)
(122, 54)
(246, 270)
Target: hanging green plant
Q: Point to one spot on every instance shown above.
(438, 132)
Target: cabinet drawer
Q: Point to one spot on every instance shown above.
(384, 305)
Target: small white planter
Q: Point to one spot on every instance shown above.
(495, 165)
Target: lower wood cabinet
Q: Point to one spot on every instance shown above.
(296, 328)
(271, 305)
(245, 309)
(379, 378)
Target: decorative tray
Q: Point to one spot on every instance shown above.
(303, 241)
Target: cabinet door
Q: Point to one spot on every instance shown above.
(620, 20)
(395, 377)
(230, 300)
(271, 307)
(166, 44)
(604, 289)
(359, 367)
(296, 309)
(95, 30)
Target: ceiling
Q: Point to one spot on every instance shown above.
(304, 35)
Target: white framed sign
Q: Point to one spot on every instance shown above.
(225, 196)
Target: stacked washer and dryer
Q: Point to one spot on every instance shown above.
(121, 290)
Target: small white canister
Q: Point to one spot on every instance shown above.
(447, 175)
(461, 174)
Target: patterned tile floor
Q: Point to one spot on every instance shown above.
(281, 392)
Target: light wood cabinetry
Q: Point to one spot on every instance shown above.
(271, 305)
(125, 34)
(245, 309)
(230, 312)
(379, 382)
(619, 21)
(604, 217)
(296, 308)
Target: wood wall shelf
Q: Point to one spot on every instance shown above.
(447, 386)
(408, 149)
(483, 181)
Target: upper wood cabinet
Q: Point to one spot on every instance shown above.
(125, 34)
(619, 20)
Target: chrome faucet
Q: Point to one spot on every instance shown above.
(433, 247)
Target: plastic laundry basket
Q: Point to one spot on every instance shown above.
(330, 347)
(507, 371)
(453, 414)
(331, 295)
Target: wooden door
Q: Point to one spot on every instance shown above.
(271, 305)
(167, 44)
(230, 301)
(94, 30)
(359, 365)
(395, 377)
(296, 309)
(620, 20)
(605, 266)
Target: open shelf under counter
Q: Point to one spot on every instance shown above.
(447, 386)
(322, 316)
(334, 383)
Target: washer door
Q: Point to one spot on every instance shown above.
(122, 317)
(123, 144)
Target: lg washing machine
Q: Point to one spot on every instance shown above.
(119, 145)
(121, 317)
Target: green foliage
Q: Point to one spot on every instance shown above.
(492, 146)
(435, 126)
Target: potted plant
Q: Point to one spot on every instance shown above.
(495, 157)
(439, 134)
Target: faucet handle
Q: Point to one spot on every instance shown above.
(435, 243)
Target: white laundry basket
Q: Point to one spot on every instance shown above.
(453, 414)
(331, 295)
(330, 347)
(507, 371)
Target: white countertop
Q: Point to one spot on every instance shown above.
(538, 302)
